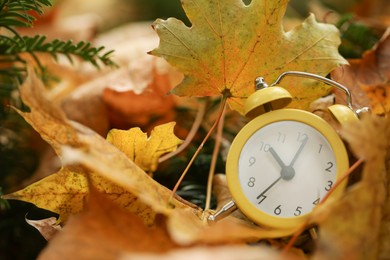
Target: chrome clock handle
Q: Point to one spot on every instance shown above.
(319, 78)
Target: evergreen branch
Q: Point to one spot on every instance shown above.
(38, 43)
(15, 13)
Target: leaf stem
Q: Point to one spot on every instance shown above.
(302, 228)
(222, 108)
(214, 158)
(191, 134)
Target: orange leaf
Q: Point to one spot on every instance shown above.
(369, 77)
(105, 231)
(150, 89)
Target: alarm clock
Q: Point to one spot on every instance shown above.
(284, 161)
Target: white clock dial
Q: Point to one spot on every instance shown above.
(285, 168)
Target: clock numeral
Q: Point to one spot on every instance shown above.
(281, 137)
(251, 182)
(302, 137)
(316, 201)
(298, 211)
(278, 210)
(264, 147)
(319, 150)
(261, 198)
(330, 165)
(330, 184)
(252, 160)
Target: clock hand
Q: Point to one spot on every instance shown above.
(269, 187)
(304, 141)
(287, 172)
(277, 158)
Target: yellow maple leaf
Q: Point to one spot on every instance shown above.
(145, 151)
(230, 44)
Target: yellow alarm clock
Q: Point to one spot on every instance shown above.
(284, 161)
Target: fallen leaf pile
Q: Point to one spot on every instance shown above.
(91, 162)
(355, 227)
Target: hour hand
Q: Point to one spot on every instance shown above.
(277, 158)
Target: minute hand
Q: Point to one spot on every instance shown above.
(304, 141)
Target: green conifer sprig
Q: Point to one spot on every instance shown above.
(15, 13)
(11, 48)
(18, 13)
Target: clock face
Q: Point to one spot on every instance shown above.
(285, 168)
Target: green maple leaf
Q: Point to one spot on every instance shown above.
(230, 43)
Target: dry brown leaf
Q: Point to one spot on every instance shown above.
(187, 228)
(349, 227)
(47, 119)
(48, 227)
(384, 233)
(223, 195)
(369, 77)
(221, 190)
(225, 252)
(369, 140)
(131, 108)
(105, 231)
(88, 110)
(374, 13)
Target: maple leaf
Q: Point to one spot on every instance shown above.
(230, 44)
(145, 151)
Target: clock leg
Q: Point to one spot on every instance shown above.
(226, 210)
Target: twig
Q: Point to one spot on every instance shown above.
(223, 102)
(214, 159)
(191, 134)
